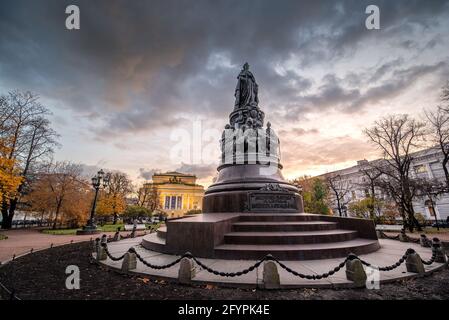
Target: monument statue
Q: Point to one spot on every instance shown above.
(246, 89)
(250, 210)
(246, 112)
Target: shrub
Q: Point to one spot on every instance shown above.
(420, 218)
(194, 211)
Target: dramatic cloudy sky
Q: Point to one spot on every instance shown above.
(147, 86)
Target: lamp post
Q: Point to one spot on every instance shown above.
(99, 180)
(344, 208)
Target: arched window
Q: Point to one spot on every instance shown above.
(173, 203)
(430, 207)
(167, 202)
(179, 203)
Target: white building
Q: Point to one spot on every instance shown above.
(426, 164)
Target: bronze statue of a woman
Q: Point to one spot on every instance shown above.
(246, 89)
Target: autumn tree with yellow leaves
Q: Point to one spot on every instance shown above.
(28, 140)
(9, 175)
(61, 191)
(112, 201)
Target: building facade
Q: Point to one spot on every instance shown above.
(426, 164)
(178, 193)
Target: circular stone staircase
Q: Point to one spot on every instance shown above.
(286, 236)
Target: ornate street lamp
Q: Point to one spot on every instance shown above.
(344, 208)
(99, 180)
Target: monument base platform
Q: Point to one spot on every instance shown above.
(248, 236)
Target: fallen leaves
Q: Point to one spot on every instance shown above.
(210, 287)
(144, 280)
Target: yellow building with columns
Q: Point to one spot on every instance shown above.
(178, 192)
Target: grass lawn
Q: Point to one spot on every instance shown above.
(433, 230)
(111, 227)
(104, 228)
(60, 232)
(3, 237)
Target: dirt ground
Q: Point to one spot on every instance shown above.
(41, 275)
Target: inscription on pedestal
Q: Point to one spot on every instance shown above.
(267, 201)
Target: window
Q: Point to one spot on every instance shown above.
(179, 203)
(173, 202)
(430, 206)
(420, 169)
(167, 202)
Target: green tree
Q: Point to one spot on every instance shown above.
(314, 193)
(136, 212)
(364, 208)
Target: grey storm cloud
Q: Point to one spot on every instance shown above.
(147, 174)
(200, 170)
(141, 65)
(88, 171)
(333, 93)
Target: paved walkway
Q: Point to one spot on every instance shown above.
(389, 253)
(21, 241)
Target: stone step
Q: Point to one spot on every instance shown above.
(296, 251)
(154, 242)
(276, 217)
(283, 226)
(298, 237)
(162, 232)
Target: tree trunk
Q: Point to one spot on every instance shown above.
(372, 208)
(8, 213)
(42, 219)
(339, 207)
(412, 221)
(5, 223)
(115, 218)
(404, 217)
(58, 208)
(446, 171)
(55, 221)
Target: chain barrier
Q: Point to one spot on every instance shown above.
(104, 245)
(390, 267)
(307, 276)
(412, 239)
(227, 274)
(152, 266)
(396, 237)
(269, 257)
(432, 259)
